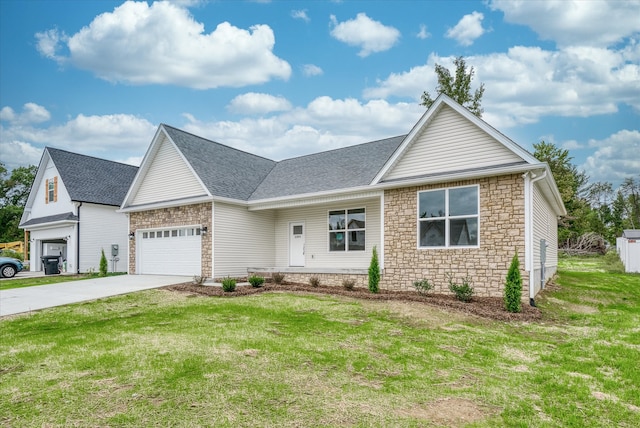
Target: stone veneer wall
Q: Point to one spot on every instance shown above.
(501, 234)
(174, 216)
(331, 279)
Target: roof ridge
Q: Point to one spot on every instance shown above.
(49, 148)
(343, 148)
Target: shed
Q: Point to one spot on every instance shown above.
(628, 246)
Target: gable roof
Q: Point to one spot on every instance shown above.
(631, 233)
(335, 169)
(90, 179)
(226, 172)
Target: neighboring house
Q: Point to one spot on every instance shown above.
(72, 208)
(628, 247)
(454, 196)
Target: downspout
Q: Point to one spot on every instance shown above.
(78, 241)
(529, 230)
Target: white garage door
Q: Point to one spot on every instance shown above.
(174, 251)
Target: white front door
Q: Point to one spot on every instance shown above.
(296, 244)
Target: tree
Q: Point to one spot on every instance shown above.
(513, 287)
(457, 87)
(374, 272)
(14, 191)
(572, 185)
(103, 264)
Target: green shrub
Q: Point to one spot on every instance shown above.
(513, 287)
(13, 254)
(314, 281)
(278, 277)
(423, 286)
(256, 281)
(103, 264)
(463, 291)
(348, 284)
(613, 262)
(228, 284)
(374, 272)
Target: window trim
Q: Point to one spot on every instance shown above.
(447, 218)
(346, 230)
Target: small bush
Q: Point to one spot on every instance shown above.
(348, 284)
(374, 272)
(256, 281)
(423, 286)
(228, 284)
(513, 287)
(463, 291)
(13, 254)
(278, 278)
(103, 264)
(199, 280)
(614, 264)
(314, 281)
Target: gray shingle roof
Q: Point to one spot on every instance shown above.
(225, 171)
(51, 218)
(631, 233)
(331, 170)
(93, 180)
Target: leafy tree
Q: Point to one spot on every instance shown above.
(631, 189)
(457, 87)
(374, 272)
(572, 185)
(14, 191)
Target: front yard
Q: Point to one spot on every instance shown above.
(167, 358)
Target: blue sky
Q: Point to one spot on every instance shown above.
(286, 78)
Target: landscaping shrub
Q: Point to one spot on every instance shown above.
(462, 291)
(198, 280)
(103, 264)
(256, 281)
(513, 287)
(228, 284)
(278, 278)
(314, 281)
(374, 272)
(423, 286)
(348, 284)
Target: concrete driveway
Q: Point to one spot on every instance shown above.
(18, 300)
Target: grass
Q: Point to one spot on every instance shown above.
(162, 358)
(49, 279)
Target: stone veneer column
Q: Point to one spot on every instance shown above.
(187, 215)
(501, 235)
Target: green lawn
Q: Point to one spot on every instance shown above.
(158, 358)
(43, 280)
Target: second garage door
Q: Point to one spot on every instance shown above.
(171, 251)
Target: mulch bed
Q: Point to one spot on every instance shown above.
(485, 307)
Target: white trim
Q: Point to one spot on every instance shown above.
(529, 233)
(213, 240)
(346, 230)
(42, 226)
(446, 218)
(381, 252)
(166, 204)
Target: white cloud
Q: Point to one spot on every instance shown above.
(468, 29)
(255, 103)
(48, 43)
(300, 14)
(18, 153)
(324, 124)
(311, 70)
(616, 157)
(163, 44)
(31, 113)
(527, 83)
(371, 36)
(423, 33)
(575, 22)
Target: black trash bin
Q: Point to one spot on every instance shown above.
(50, 265)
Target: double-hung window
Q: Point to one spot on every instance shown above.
(448, 217)
(347, 230)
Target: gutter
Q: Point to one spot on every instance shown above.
(528, 201)
(78, 242)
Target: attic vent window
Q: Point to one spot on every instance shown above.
(448, 217)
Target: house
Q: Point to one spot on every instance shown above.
(72, 208)
(454, 196)
(628, 247)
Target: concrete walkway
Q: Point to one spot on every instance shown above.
(18, 300)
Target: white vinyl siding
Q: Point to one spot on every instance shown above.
(241, 239)
(450, 143)
(101, 226)
(168, 178)
(317, 254)
(545, 226)
(63, 203)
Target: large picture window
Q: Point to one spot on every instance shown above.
(347, 230)
(448, 217)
